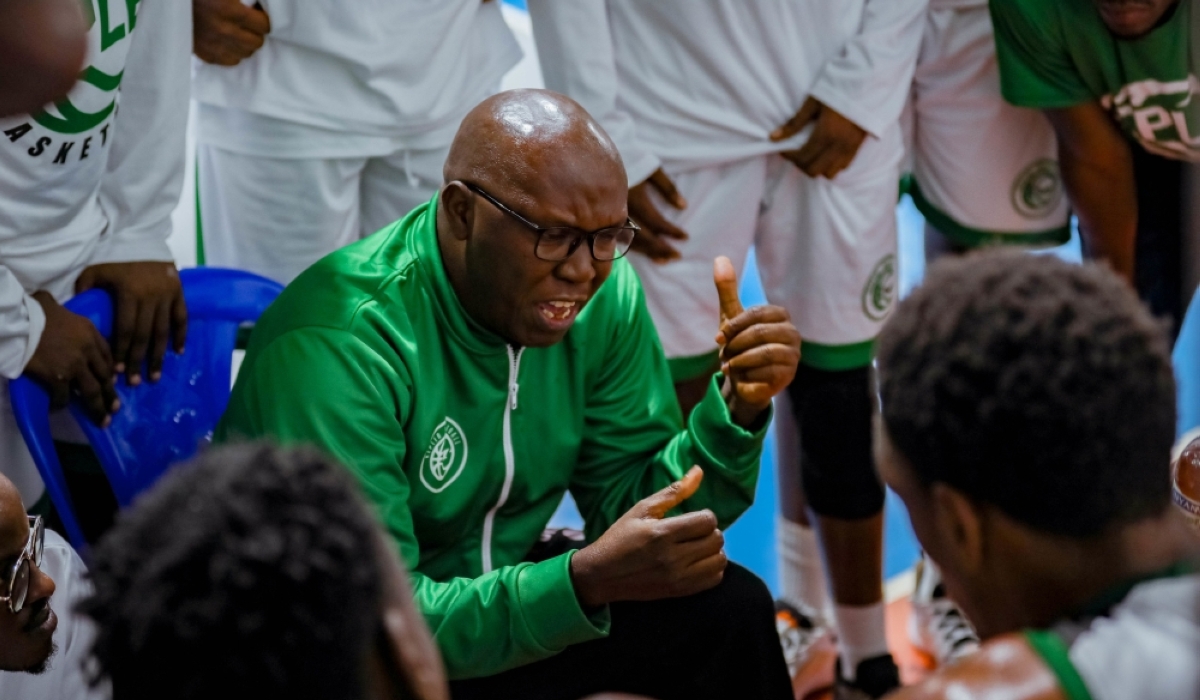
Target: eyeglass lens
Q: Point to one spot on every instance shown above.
(607, 244)
(20, 587)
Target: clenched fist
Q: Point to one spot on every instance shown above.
(760, 349)
(645, 556)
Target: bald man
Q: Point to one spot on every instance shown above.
(489, 352)
(42, 647)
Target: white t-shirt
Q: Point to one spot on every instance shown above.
(65, 678)
(84, 182)
(1146, 647)
(362, 78)
(702, 83)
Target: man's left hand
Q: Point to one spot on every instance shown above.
(830, 148)
(760, 349)
(150, 310)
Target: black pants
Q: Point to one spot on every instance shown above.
(720, 645)
(1158, 272)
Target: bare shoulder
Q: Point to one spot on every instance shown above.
(1006, 668)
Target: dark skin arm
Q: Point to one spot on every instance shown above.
(653, 240)
(830, 148)
(149, 313)
(1006, 668)
(1097, 169)
(226, 32)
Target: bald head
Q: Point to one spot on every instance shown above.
(523, 143)
(12, 513)
(523, 162)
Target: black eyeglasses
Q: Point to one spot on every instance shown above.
(19, 574)
(557, 243)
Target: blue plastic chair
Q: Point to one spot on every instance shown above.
(1186, 358)
(159, 424)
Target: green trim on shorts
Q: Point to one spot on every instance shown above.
(978, 238)
(834, 358)
(1054, 652)
(199, 224)
(684, 369)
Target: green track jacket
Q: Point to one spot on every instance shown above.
(466, 445)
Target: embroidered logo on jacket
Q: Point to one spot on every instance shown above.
(1038, 190)
(445, 457)
(880, 290)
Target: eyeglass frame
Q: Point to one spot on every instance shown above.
(32, 553)
(589, 235)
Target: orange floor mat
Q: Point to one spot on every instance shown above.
(913, 664)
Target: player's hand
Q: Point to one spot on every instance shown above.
(72, 358)
(226, 32)
(645, 556)
(149, 311)
(651, 241)
(760, 349)
(830, 148)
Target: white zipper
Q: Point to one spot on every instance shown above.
(510, 467)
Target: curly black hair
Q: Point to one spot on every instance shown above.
(1037, 386)
(250, 572)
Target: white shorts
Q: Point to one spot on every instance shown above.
(826, 251)
(278, 216)
(984, 172)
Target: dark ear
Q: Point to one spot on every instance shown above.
(457, 203)
(959, 524)
(407, 647)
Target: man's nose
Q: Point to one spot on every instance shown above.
(580, 267)
(40, 584)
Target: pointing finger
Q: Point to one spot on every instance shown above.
(678, 492)
(725, 278)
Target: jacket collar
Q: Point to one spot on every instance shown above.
(421, 228)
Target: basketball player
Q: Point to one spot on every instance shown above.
(774, 125)
(86, 195)
(321, 121)
(1027, 417)
(984, 173)
(1120, 81)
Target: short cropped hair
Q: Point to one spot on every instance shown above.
(1042, 388)
(251, 572)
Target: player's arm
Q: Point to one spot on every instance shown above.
(140, 189)
(1006, 668)
(1097, 169)
(326, 388)
(859, 92)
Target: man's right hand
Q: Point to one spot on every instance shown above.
(645, 556)
(72, 357)
(226, 32)
(651, 241)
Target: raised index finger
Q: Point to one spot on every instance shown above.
(725, 278)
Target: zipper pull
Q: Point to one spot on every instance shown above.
(512, 395)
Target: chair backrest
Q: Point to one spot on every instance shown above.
(162, 423)
(1186, 358)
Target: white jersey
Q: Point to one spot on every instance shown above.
(82, 184)
(699, 83)
(1147, 646)
(404, 71)
(65, 679)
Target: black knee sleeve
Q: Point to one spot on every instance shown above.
(837, 469)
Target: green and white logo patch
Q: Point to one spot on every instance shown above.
(1038, 190)
(445, 457)
(880, 290)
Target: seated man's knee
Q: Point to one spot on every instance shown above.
(833, 411)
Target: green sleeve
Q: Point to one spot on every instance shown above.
(1036, 69)
(326, 388)
(633, 444)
